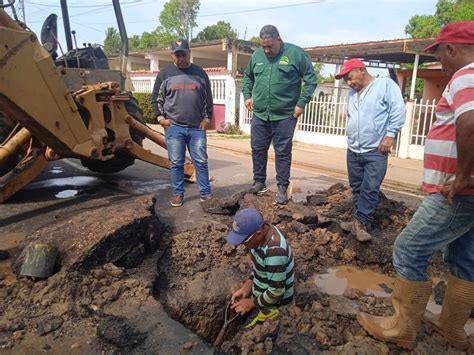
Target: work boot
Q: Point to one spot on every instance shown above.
(347, 226)
(281, 196)
(258, 188)
(361, 231)
(177, 201)
(409, 300)
(457, 305)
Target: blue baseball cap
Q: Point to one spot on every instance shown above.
(246, 222)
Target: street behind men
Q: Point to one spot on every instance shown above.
(182, 103)
(272, 89)
(445, 219)
(272, 281)
(375, 114)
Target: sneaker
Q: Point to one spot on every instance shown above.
(281, 195)
(258, 188)
(177, 201)
(206, 198)
(361, 231)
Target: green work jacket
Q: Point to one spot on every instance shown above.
(275, 83)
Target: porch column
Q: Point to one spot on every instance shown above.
(413, 77)
(335, 91)
(154, 63)
(232, 61)
(230, 99)
(405, 132)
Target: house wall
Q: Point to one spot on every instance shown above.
(434, 87)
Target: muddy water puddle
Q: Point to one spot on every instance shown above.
(9, 242)
(69, 187)
(345, 277)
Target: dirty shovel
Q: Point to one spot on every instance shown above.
(229, 316)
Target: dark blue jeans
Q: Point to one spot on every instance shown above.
(437, 225)
(177, 139)
(366, 173)
(281, 134)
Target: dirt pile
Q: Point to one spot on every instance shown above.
(198, 270)
(110, 279)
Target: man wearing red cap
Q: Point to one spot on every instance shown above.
(375, 114)
(445, 219)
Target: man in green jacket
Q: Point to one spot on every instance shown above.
(273, 90)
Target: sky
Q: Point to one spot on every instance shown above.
(320, 22)
(303, 22)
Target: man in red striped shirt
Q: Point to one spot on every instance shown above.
(445, 219)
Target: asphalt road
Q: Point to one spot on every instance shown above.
(65, 187)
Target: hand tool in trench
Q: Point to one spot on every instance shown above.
(229, 316)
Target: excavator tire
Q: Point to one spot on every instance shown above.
(122, 159)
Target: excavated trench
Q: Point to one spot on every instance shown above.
(109, 281)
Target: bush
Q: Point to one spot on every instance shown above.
(144, 101)
(228, 128)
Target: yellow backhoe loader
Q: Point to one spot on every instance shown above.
(71, 106)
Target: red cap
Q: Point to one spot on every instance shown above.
(348, 66)
(454, 32)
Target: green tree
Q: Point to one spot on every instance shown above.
(134, 43)
(178, 17)
(446, 11)
(157, 38)
(220, 30)
(112, 41)
(255, 39)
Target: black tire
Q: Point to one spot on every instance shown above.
(122, 159)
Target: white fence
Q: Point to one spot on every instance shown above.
(222, 87)
(219, 85)
(324, 123)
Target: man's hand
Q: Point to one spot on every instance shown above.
(297, 112)
(203, 124)
(242, 292)
(452, 189)
(164, 122)
(244, 306)
(249, 104)
(386, 145)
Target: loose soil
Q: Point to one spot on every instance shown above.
(115, 276)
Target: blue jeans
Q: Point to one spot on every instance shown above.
(262, 133)
(177, 139)
(435, 226)
(366, 173)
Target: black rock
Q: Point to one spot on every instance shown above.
(116, 330)
(4, 255)
(16, 324)
(316, 199)
(439, 291)
(49, 324)
(385, 288)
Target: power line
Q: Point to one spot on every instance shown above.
(85, 6)
(264, 8)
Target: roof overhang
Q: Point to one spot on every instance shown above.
(382, 54)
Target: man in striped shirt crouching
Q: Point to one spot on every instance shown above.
(271, 283)
(445, 219)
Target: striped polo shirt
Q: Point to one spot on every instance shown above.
(273, 272)
(440, 149)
